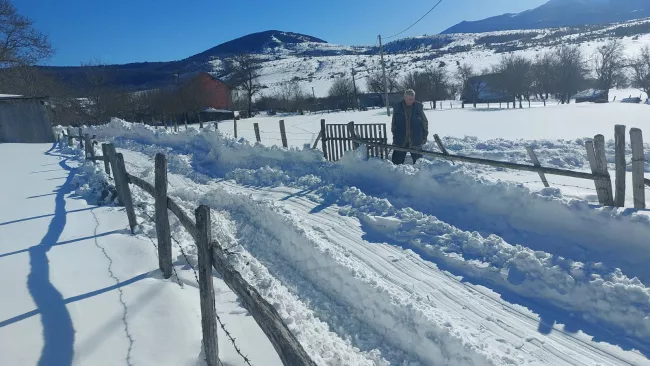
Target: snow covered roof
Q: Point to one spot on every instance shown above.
(213, 110)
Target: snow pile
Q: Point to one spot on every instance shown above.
(600, 294)
(448, 213)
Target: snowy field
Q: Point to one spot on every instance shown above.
(366, 262)
(78, 289)
(434, 263)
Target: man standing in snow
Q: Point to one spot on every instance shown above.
(410, 127)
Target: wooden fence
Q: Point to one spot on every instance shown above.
(337, 139)
(595, 154)
(210, 255)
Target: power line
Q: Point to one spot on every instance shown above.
(412, 25)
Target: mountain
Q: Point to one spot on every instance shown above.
(560, 13)
(144, 75)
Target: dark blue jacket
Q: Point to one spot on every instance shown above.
(411, 133)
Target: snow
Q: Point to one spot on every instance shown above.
(369, 247)
(79, 290)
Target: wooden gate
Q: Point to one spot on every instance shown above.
(336, 139)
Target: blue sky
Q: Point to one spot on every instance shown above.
(121, 31)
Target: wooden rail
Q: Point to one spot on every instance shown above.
(210, 255)
(467, 159)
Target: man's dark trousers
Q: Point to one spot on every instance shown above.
(400, 156)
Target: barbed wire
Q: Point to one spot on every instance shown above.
(153, 242)
(196, 277)
(221, 324)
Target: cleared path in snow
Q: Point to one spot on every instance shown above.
(78, 289)
(511, 333)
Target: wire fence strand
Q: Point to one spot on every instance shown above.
(196, 277)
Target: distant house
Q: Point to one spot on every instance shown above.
(24, 120)
(481, 90)
(213, 95)
(369, 100)
(591, 95)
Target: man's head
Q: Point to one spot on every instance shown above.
(409, 97)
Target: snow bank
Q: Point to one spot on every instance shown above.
(542, 221)
(601, 295)
(562, 242)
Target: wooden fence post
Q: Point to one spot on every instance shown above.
(86, 139)
(316, 142)
(162, 219)
(591, 156)
(536, 162)
(323, 138)
(638, 163)
(256, 126)
(81, 139)
(206, 289)
(107, 161)
(283, 134)
(216, 126)
(120, 172)
(235, 127)
(601, 164)
(621, 166)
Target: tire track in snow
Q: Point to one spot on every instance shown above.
(127, 333)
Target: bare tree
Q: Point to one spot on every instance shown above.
(641, 70)
(20, 43)
(290, 96)
(569, 72)
(470, 85)
(514, 77)
(609, 65)
(436, 84)
(244, 71)
(544, 75)
(375, 82)
(342, 93)
(417, 81)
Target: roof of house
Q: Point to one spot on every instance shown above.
(211, 74)
(9, 97)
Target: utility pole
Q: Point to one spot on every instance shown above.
(313, 93)
(383, 68)
(354, 83)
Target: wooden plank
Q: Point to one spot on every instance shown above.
(591, 157)
(316, 142)
(341, 142)
(638, 162)
(80, 138)
(163, 231)
(337, 143)
(126, 191)
(621, 165)
(256, 127)
(107, 163)
(285, 343)
(601, 165)
(87, 146)
(110, 150)
(332, 143)
(206, 287)
(496, 163)
(373, 132)
(142, 184)
(283, 134)
(184, 219)
(323, 138)
(535, 161)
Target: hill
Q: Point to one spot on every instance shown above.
(560, 13)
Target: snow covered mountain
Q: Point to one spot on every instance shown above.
(314, 63)
(560, 13)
